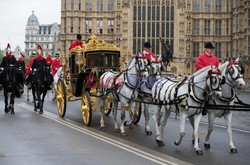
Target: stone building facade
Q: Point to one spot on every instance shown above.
(225, 23)
(185, 24)
(109, 20)
(45, 35)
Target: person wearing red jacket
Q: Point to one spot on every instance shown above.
(207, 58)
(147, 53)
(78, 42)
(49, 59)
(56, 64)
(29, 64)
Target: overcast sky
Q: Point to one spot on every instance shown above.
(14, 15)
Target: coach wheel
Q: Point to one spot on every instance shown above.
(61, 98)
(108, 106)
(86, 109)
(137, 115)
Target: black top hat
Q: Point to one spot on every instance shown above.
(147, 45)
(209, 45)
(79, 36)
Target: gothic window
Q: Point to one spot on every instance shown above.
(207, 27)
(236, 23)
(196, 49)
(218, 27)
(135, 12)
(139, 13)
(228, 6)
(79, 25)
(134, 29)
(110, 5)
(99, 26)
(139, 30)
(196, 6)
(167, 12)
(172, 13)
(227, 49)
(248, 45)
(218, 49)
(79, 4)
(218, 6)
(196, 27)
(153, 13)
(143, 13)
(88, 5)
(110, 26)
(237, 47)
(227, 28)
(163, 29)
(163, 13)
(71, 24)
(72, 4)
(149, 29)
(88, 26)
(207, 5)
(158, 13)
(143, 29)
(99, 5)
(149, 13)
(65, 4)
(157, 29)
(153, 29)
(248, 17)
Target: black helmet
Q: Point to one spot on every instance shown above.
(79, 36)
(147, 45)
(209, 45)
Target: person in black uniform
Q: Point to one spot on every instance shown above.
(40, 62)
(7, 61)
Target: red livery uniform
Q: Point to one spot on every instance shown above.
(204, 60)
(75, 44)
(56, 64)
(49, 60)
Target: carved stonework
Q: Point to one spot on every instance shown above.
(181, 4)
(126, 3)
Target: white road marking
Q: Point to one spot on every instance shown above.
(108, 140)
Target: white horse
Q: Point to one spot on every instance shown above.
(122, 87)
(185, 97)
(146, 89)
(233, 78)
(56, 77)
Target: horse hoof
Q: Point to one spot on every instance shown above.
(102, 128)
(234, 150)
(35, 110)
(124, 134)
(160, 142)
(207, 145)
(149, 133)
(199, 152)
(40, 112)
(12, 112)
(176, 143)
(117, 130)
(6, 110)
